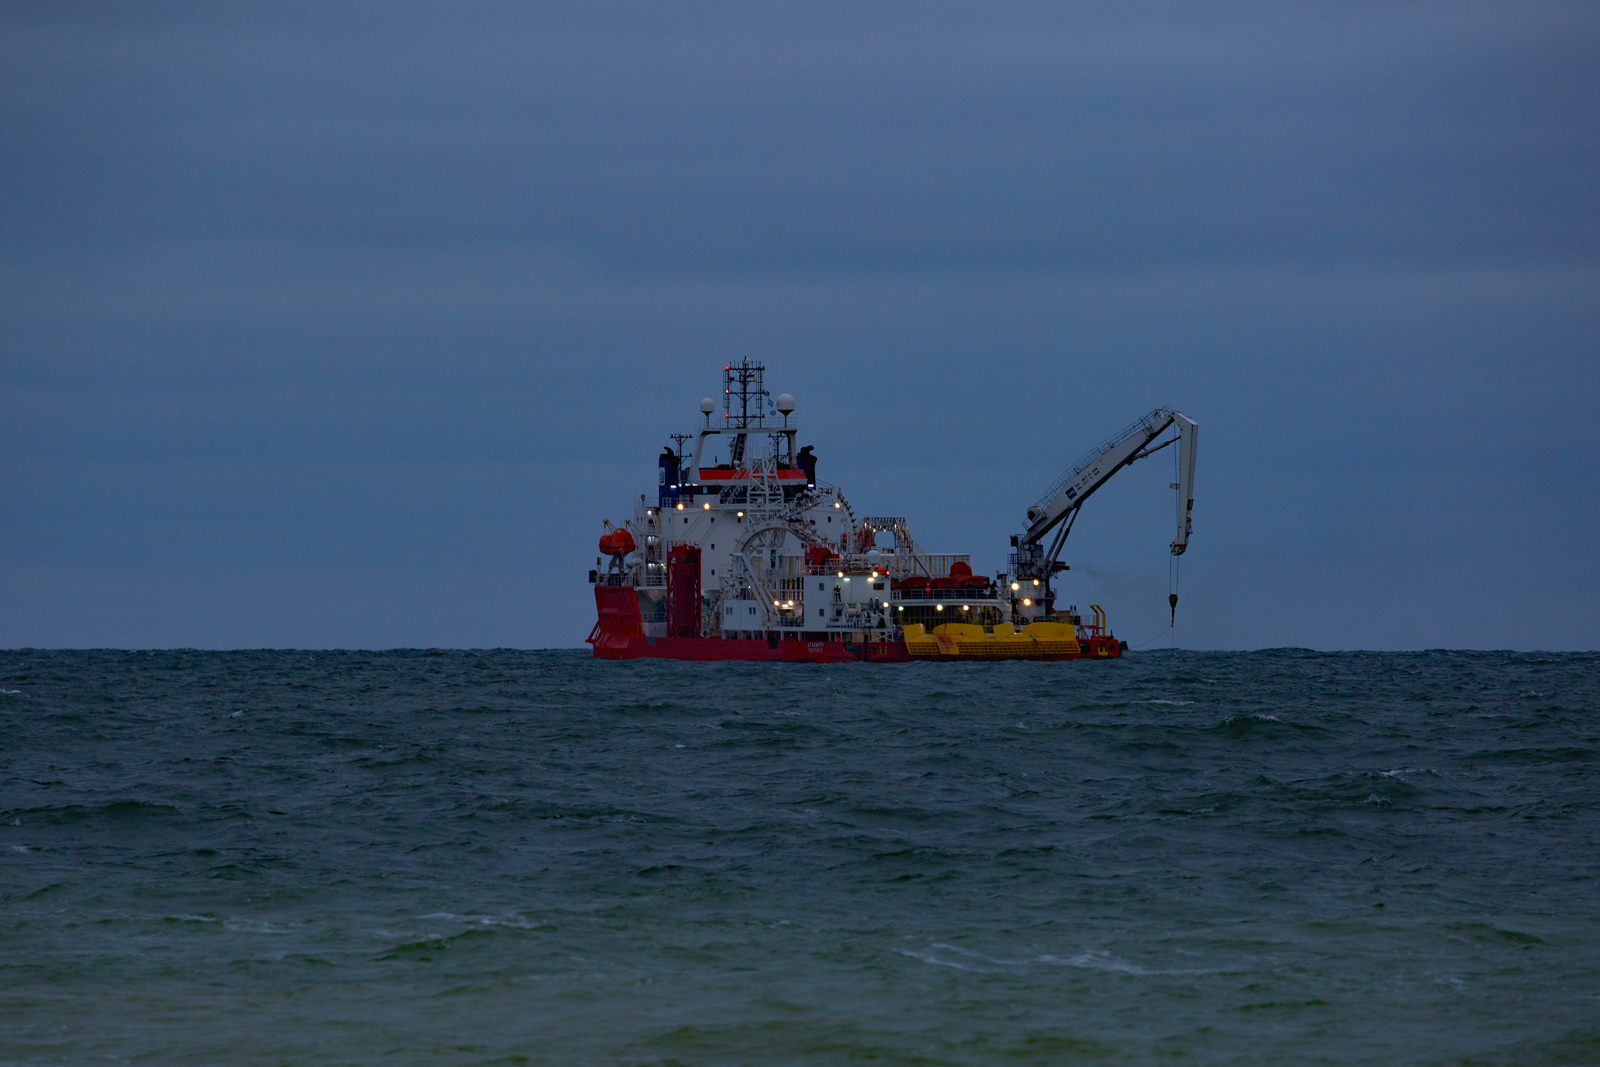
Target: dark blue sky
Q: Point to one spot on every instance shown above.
(347, 330)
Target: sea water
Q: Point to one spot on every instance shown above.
(534, 857)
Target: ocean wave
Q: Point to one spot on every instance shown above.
(937, 955)
(1099, 961)
(513, 922)
(111, 811)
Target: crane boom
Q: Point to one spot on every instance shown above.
(1058, 508)
(1188, 439)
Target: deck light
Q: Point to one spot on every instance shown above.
(741, 514)
(836, 504)
(965, 608)
(900, 607)
(706, 506)
(1027, 603)
(938, 607)
(1015, 586)
(1036, 581)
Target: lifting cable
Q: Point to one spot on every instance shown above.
(1173, 573)
(1141, 645)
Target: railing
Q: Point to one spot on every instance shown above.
(931, 565)
(949, 596)
(725, 473)
(894, 564)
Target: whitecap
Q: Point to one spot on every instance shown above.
(977, 955)
(480, 920)
(1105, 961)
(1096, 961)
(252, 926)
(977, 961)
(928, 957)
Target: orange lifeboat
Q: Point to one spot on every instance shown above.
(616, 543)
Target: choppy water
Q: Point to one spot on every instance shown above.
(458, 858)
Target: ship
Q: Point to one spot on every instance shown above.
(746, 554)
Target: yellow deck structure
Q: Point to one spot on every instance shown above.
(968, 640)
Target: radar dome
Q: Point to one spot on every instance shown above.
(785, 403)
(708, 405)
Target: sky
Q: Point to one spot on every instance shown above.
(346, 329)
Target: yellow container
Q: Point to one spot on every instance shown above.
(970, 641)
(919, 642)
(960, 631)
(1055, 638)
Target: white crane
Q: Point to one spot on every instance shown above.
(1058, 509)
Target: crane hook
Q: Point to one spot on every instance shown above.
(1172, 599)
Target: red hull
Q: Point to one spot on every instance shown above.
(707, 649)
(619, 634)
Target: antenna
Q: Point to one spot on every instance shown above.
(742, 388)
